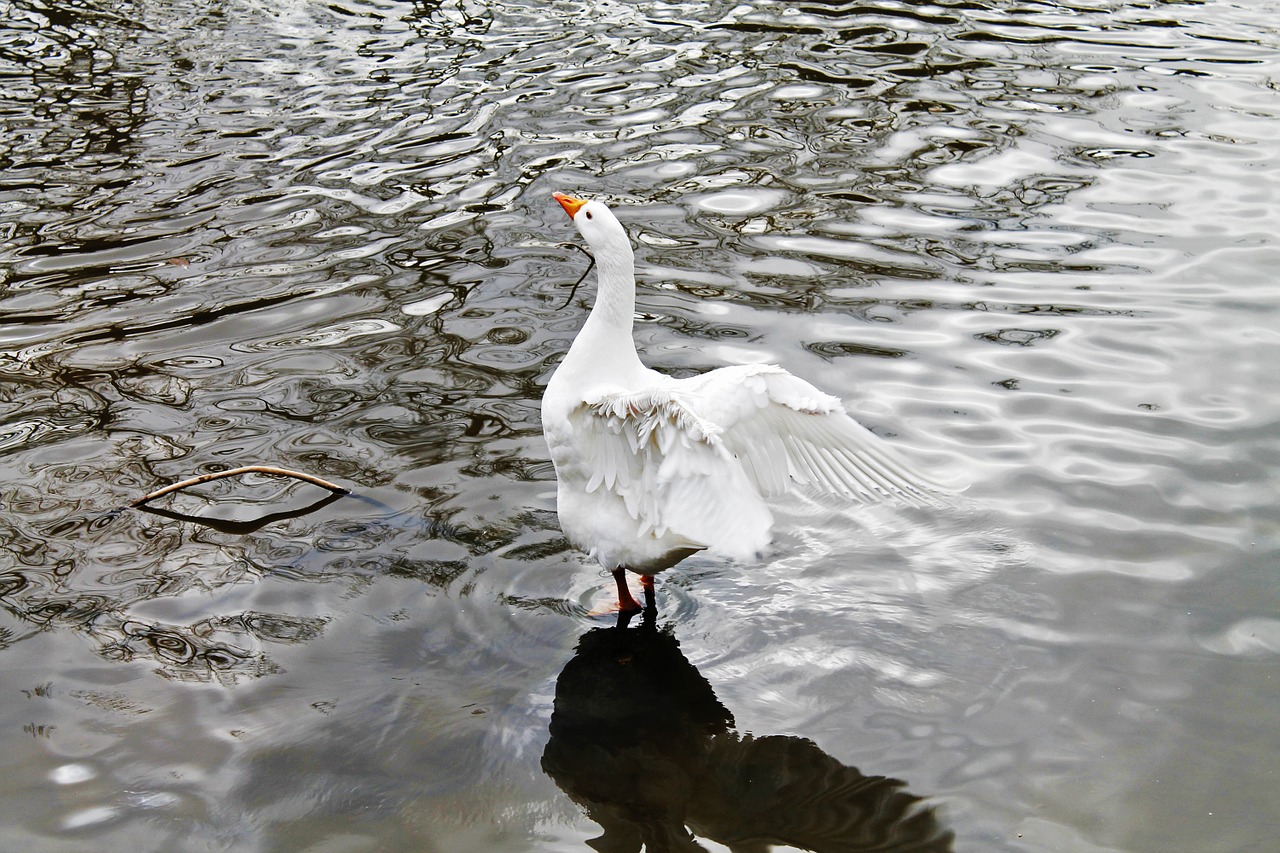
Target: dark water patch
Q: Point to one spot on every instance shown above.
(1019, 337)
(833, 349)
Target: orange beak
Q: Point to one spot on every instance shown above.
(570, 204)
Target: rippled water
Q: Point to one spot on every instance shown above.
(1033, 243)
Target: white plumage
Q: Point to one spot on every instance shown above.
(651, 469)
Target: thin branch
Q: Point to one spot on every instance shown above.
(241, 528)
(574, 289)
(247, 469)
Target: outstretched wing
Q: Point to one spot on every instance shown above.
(672, 470)
(695, 456)
(782, 429)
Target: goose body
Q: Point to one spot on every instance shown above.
(651, 469)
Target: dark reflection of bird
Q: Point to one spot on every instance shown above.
(639, 739)
(652, 469)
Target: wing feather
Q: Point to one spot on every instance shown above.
(783, 429)
(671, 470)
(693, 458)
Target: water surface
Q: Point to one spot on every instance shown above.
(1034, 244)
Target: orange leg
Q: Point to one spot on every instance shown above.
(626, 603)
(650, 601)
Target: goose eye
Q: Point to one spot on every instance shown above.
(589, 214)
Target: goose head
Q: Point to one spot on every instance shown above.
(597, 224)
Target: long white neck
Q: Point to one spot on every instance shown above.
(605, 345)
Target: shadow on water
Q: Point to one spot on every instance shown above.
(640, 740)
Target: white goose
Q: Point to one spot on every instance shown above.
(651, 469)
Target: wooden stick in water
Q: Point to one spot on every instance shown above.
(233, 472)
